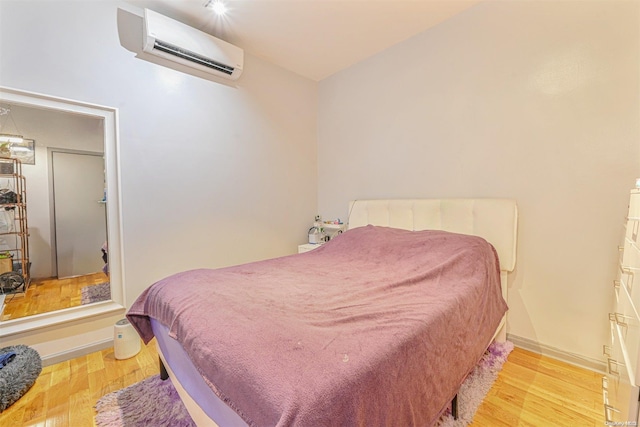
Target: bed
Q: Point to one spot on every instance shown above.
(379, 326)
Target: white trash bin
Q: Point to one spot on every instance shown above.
(126, 341)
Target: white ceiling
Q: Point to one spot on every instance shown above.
(314, 38)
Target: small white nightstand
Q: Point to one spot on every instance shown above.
(308, 247)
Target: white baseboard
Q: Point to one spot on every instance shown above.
(76, 352)
(555, 353)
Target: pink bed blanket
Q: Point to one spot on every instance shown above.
(378, 327)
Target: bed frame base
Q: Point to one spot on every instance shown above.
(454, 407)
(164, 375)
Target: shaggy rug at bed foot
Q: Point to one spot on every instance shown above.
(153, 402)
(21, 367)
(476, 386)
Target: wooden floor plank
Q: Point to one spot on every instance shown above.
(81, 410)
(534, 390)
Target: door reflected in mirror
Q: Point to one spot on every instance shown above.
(66, 212)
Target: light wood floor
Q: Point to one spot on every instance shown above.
(531, 390)
(45, 295)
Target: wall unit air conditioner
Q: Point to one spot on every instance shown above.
(178, 42)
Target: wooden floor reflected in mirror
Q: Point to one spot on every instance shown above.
(45, 295)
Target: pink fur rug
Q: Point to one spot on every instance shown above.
(476, 386)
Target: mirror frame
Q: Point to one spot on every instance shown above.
(114, 214)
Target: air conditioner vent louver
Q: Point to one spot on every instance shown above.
(185, 45)
(191, 56)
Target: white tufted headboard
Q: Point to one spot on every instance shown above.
(495, 220)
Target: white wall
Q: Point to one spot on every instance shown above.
(206, 167)
(536, 101)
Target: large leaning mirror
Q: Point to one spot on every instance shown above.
(70, 190)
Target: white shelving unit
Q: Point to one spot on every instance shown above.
(14, 234)
(621, 384)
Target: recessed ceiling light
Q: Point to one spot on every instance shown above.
(217, 6)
